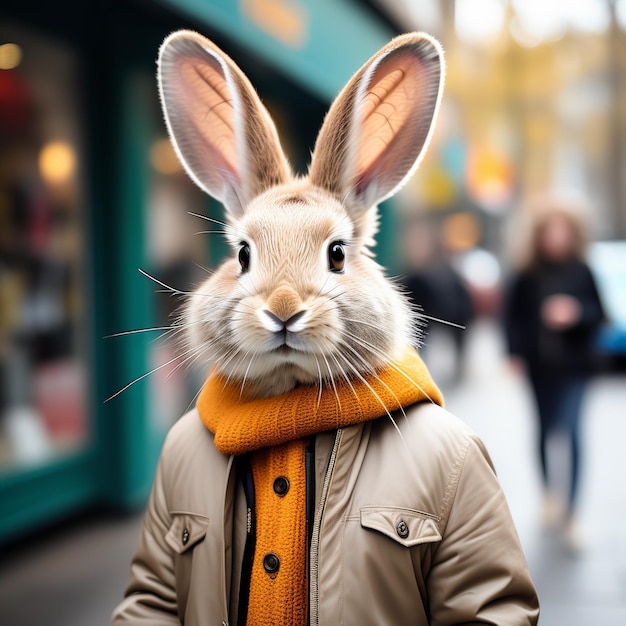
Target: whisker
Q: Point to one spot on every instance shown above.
(380, 380)
(319, 293)
(255, 290)
(245, 376)
(227, 358)
(338, 295)
(169, 335)
(159, 282)
(204, 268)
(345, 376)
(321, 382)
(363, 323)
(138, 330)
(152, 371)
(440, 321)
(376, 352)
(320, 304)
(376, 396)
(332, 380)
(195, 353)
(207, 218)
(174, 328)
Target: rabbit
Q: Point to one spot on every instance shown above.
(301, 300)
(282, 498)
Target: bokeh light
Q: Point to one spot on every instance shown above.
(57, 162)
(163, 158)
(10, 56)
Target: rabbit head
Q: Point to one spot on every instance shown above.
(301, 299)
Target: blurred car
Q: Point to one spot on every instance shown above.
(607, 260)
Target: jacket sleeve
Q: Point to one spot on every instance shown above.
(150, 597)
(516, 316)
(592, 311)
(479, 573)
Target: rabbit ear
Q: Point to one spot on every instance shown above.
(378, 127)
(221, 131)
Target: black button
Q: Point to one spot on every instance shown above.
(271, 563)
(402, 529)
(185, 536)
(281, 486)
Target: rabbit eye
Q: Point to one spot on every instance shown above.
(244, 257)
(336, 257)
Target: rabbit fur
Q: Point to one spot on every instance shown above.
(301, 300)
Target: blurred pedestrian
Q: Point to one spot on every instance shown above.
(437, 291)
(552, 313)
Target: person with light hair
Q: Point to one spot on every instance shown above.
(552, 312)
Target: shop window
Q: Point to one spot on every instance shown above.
(178, 244)
(43, 375)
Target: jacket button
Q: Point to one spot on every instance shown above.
(185, 537)
(281, 486)
(402, 529)
(271, 563)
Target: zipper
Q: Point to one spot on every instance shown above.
(248, 554)
(309, 472)
(229, 470)
(315, 535)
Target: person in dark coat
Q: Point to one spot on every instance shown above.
(436, 290)
(552, 314)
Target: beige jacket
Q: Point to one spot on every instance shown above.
(411, 529)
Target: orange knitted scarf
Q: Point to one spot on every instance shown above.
(275, 431)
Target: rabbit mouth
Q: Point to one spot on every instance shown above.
(283, 350)
(288, 343)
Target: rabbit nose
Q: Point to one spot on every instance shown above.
(277, 325)
(283, 304)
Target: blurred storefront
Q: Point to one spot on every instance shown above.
(90, 192)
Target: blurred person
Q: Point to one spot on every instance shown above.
(436, 290)
(552, 313)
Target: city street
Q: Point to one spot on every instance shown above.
(75, 575)
(492, 133)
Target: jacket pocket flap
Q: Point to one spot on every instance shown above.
(186, 531)
(406, 526)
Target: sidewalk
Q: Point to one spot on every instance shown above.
(75, 575)
(69, 576)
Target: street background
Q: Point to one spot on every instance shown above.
(91, 192)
